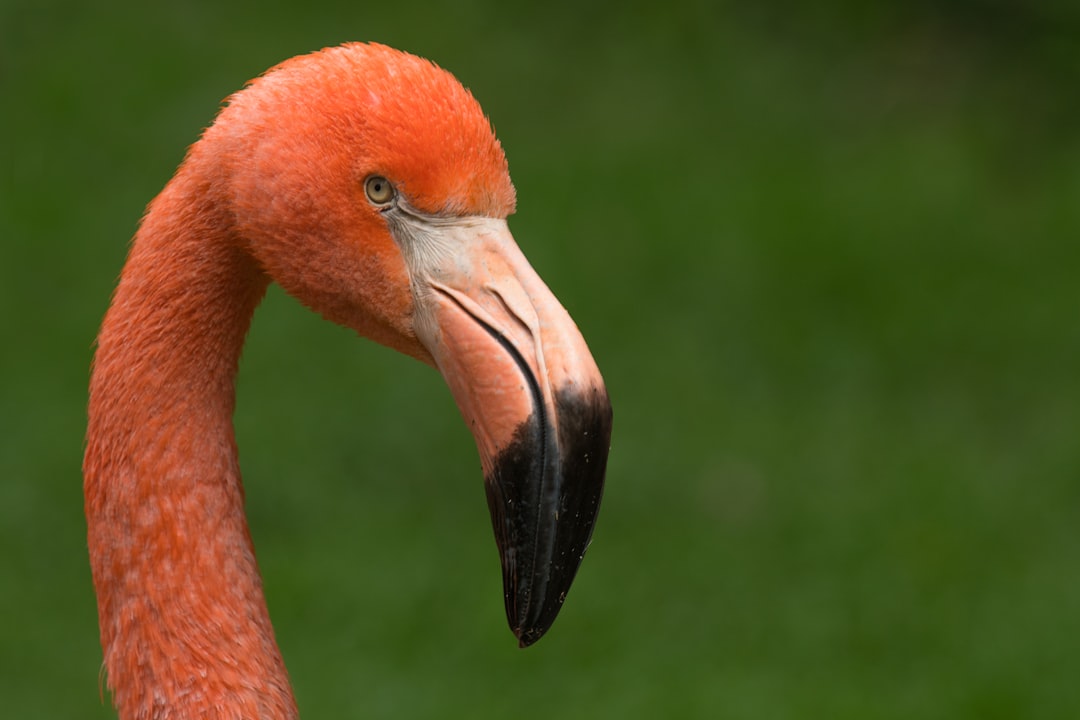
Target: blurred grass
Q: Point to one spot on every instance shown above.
(826, 259)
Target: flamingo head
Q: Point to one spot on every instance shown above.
(369, 184)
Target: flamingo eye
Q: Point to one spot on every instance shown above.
(379, 190)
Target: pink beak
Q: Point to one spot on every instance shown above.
(534, 399)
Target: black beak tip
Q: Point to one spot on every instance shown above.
(544, 494)
(528, 630)
(528, 636)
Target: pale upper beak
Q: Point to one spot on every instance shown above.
(532, 396)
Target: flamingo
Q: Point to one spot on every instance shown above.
(368, 183)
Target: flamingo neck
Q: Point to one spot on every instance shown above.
(184, 623)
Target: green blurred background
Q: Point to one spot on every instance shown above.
(826, 257)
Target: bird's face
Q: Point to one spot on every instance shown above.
(368, 183)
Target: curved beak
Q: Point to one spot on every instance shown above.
(533, 397)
